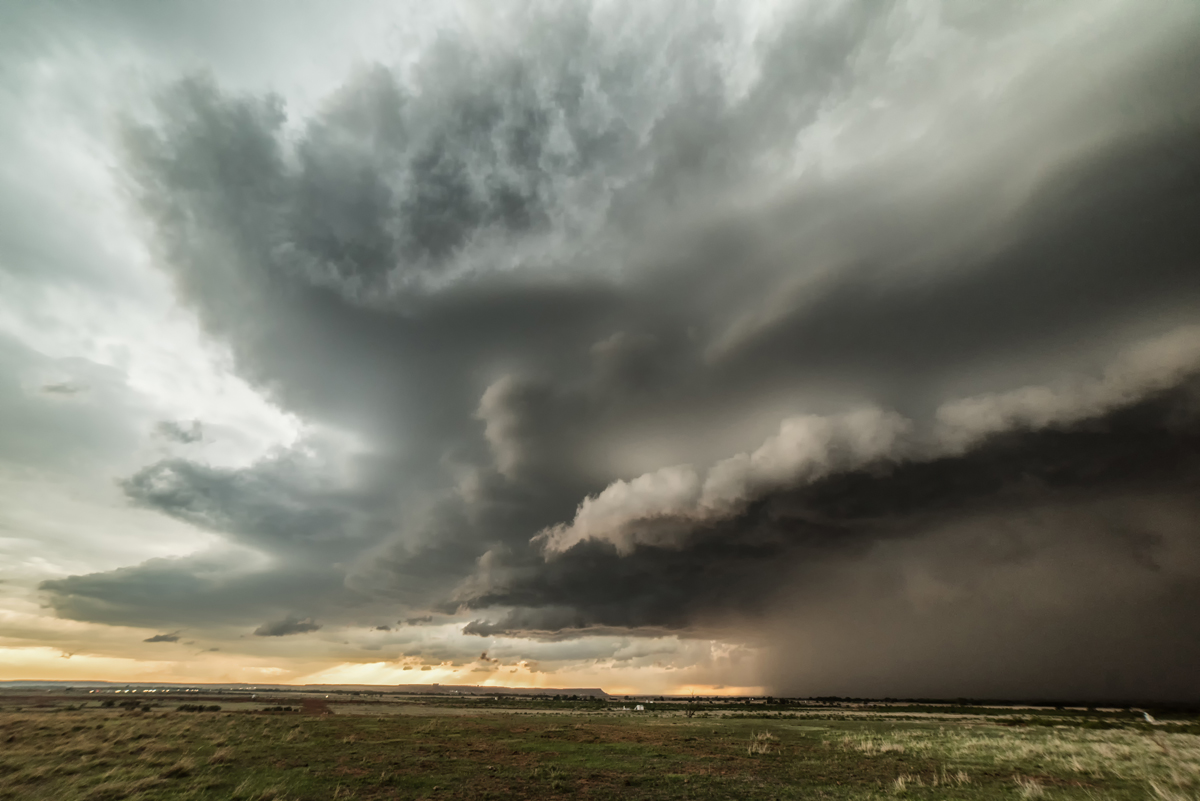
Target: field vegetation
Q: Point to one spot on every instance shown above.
(68, 750)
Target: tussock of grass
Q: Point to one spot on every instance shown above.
(183, 767)
(221, 756)
(872, 745)
(154, 748)
(760, 743)
(1170, 794)
(114, 790)
(1029, 788)
(958, 778)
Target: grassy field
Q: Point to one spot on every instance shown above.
(65, 749)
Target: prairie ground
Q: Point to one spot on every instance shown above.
(68, 751)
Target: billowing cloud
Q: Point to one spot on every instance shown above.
(843, 333)
(1142, 371)
(805, 449)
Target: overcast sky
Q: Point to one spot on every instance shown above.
(813, 348)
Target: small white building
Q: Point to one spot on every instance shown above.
(639, 708)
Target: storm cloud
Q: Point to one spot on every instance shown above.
(864, 334)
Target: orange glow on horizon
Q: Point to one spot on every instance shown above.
(41, 663)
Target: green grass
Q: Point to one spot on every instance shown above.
(96, 754)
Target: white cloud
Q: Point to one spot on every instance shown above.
(1140, 371)
(806, 448)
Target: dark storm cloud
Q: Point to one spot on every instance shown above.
(172, 637)
(547, 279)
(289, 625)
(741, 562)
(1008, 562)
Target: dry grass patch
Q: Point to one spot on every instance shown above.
(761, 743)
(221, 756)
(180, 769)
(63, 756)
(1029, 787)
(116, 790)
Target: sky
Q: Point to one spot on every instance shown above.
(805, 348)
